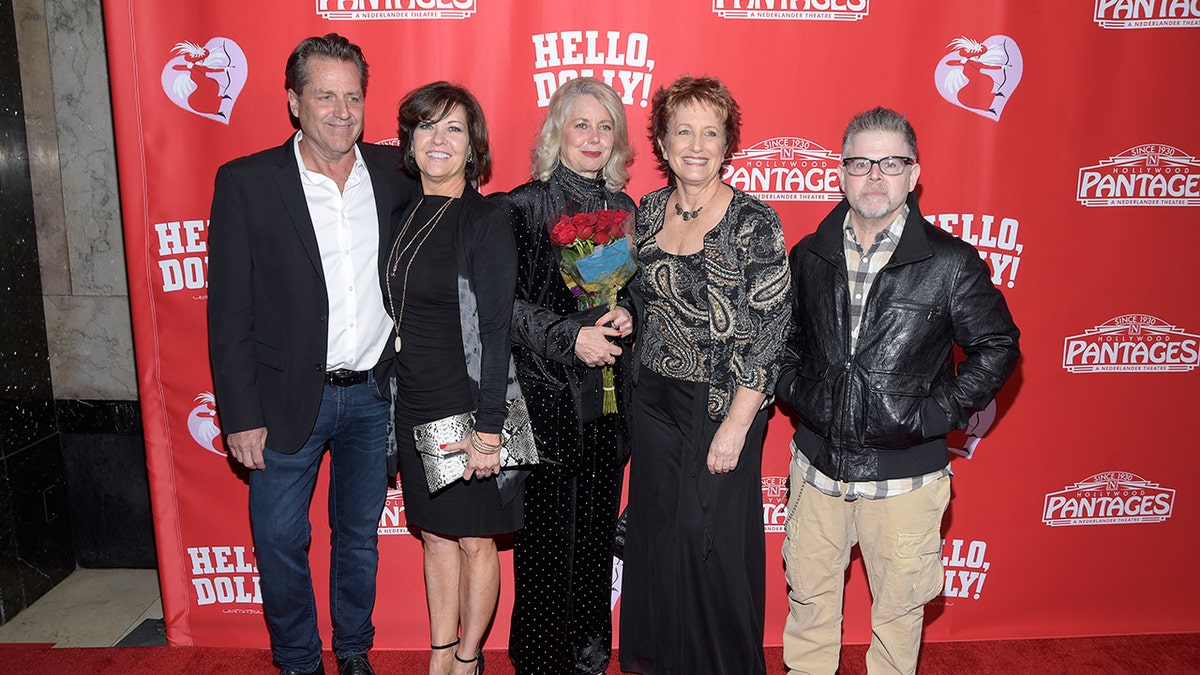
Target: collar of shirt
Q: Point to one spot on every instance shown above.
(347, 229)
(861, 267)
(892, 231)
(315, 177)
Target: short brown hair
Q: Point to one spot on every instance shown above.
(431, 103)
(703, 90)
(329, 46)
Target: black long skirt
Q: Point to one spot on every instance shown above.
(694, 585)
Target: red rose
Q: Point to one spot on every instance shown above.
(601, 236)
(585, 232)
(563, 233)
(616, 222)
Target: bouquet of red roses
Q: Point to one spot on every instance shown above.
(596, 261)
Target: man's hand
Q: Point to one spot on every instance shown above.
(247, 447)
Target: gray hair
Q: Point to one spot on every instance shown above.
(881, 119)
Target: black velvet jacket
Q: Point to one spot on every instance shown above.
(883, 411)
(543, 330)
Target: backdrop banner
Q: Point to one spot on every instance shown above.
(1064, 128)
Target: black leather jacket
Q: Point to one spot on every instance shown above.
(883, 411)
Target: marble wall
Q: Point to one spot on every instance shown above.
(73, 484)
(64, 69)
(36, 550)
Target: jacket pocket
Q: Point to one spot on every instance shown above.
(812, 393)
(893, 411)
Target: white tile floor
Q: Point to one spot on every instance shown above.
(90, 608)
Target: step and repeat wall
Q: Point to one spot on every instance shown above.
(1057, 138)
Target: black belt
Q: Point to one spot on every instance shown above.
(344, 378)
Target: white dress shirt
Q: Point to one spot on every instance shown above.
(347, 227)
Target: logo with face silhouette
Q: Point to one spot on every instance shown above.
(202, 424)
(980, 76)
(206, 79)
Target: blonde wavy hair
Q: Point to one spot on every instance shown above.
(546, 153)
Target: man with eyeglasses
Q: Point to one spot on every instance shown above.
(881, 299)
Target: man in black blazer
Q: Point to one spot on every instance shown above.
(301, 345)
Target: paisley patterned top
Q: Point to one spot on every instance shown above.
(676, 325)
(747, 287)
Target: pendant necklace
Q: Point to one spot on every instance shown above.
(397, 254)
(689, 215)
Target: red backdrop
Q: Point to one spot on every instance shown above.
(1062, 128)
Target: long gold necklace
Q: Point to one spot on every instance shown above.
(397, 254)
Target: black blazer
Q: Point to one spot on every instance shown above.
(268, 306)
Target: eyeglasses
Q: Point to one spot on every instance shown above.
(892, 165)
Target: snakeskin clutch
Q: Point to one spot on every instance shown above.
(443, 469)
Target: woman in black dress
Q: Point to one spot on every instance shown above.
(451, 271)
(714, 301)
(563, 557)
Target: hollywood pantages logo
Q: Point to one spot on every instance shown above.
(793, 10)
(376, 10)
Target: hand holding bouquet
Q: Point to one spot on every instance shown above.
(596, 262)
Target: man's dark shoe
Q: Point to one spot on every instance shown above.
(288, 671)
(355, 665)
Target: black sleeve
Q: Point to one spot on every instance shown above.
(493, 277)
(231, 307)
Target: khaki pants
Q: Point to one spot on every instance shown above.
(900, 542)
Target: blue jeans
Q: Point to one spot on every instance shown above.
(353, 422)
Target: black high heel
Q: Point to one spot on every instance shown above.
(478, 658)
(446, 646)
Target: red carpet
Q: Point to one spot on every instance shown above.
(1160, 654)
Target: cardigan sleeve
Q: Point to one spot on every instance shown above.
(493, 276)
(768, 297)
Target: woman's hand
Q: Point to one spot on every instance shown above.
(592, 345)
(726, 447)
(479, 465)
(620, 318)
